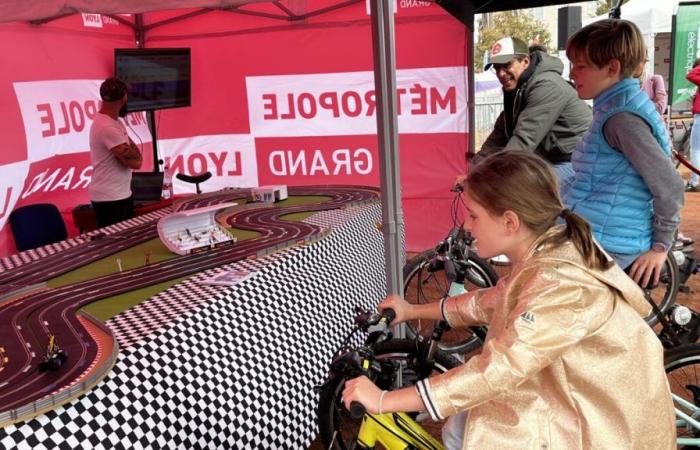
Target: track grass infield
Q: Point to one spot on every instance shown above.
(106, 308)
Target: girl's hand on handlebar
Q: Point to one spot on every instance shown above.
(362, 390)
(400, 306)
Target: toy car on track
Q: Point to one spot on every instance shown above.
(54, 357)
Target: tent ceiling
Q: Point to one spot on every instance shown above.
(42, 10)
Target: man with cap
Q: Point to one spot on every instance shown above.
(542, 112)
(114, 155)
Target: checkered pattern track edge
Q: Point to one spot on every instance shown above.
(235, 371)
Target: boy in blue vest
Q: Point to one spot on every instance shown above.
(625, 184)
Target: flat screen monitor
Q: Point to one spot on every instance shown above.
(158, 78)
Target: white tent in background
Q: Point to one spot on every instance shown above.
(651, 16)
(486, 82)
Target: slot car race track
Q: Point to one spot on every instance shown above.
(54, 311)
(98, 246)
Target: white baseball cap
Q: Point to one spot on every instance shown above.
(504, 50)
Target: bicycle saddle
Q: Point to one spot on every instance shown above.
(200, 178)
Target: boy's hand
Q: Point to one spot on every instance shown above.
(648, 268)
(400, 306)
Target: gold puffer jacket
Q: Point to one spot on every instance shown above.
(568, 362)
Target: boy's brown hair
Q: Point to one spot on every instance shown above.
(605, 40)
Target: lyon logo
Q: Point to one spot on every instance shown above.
(496, 49)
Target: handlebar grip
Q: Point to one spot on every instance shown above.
(357, 410)
(390, 314)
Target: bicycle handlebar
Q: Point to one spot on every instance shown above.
(357, 410)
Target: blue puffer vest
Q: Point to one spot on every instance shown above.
(607, 191)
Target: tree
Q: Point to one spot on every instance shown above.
(604, 6)
(518, 24)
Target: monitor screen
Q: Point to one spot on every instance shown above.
(158, 78)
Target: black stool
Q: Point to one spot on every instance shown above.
(196, 179)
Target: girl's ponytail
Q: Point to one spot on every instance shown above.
(578, 231)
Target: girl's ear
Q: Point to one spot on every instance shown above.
(511, 222)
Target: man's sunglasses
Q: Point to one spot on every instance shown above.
(503, 66)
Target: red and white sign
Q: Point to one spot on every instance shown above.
(230, 159)
(429, 100)
(57, 116)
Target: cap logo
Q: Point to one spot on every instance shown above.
(496, 49)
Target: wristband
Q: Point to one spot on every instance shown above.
(660, 247)
(381, 399)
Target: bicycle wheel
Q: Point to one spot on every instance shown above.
(337, 428)
(682, 366)
(664, 294)
(422, 285)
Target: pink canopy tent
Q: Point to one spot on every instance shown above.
(282, 94)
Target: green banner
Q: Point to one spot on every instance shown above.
(685, 51)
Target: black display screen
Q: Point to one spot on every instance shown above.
(157, 78)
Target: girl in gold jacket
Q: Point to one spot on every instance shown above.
(568, 362)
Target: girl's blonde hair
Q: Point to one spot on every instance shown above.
(605, 40)
(523, 183)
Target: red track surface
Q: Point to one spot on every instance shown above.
(53, 311)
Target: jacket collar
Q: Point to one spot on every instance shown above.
(567, 253)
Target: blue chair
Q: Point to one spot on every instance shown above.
(36, 225)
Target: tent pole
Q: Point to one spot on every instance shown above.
(670, 70)
(382, 13)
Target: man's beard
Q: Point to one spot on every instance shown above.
(122, 111)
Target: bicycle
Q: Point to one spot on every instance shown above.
(451, 268)
(682, 366)
(382, 359)
(680, 140)
(388, 363)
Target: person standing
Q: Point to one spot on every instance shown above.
(541, 111)
(655, 88)
(625, 185)
(114, 155)
(694, 77)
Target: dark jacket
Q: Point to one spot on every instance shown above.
(546, 117)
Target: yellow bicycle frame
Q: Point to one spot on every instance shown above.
(395, 431)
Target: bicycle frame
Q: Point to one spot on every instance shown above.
(395, 431)
(686, 416)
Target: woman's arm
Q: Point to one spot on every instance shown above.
(660, 94)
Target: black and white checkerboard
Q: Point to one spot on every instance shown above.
(235, 370)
